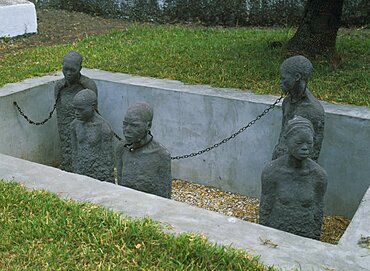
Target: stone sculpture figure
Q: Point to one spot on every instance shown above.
(142, 163)
(65, 90)
(91, 139)
(294, 74)
(293, 185)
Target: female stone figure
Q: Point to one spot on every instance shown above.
(293, 185)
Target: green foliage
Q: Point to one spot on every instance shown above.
(94, 7)
(216, 12)
(209, 12)
(41, 232)
(144, 10)
(356, 13)
(235, 58)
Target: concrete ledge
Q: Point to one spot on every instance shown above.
(17, 17)
(188, 118)
(291, 251)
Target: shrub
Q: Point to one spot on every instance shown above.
(209, 12)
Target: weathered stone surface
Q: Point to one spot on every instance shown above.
(17, 17)
(65, 90)
(142, 163)
(91, 139)
(293, 186)
(184, 110)
(294, 74)
(287, 251)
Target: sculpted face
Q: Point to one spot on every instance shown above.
(135, 127)
(300, 143)
(71, 71)
(83, 110)
(84, 103)
(288, 80)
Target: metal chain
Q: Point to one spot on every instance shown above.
(117, 136)
(114, 133)
(49, 117)
(34, 122)
(193, 154)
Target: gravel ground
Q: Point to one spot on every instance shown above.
(58, 27)
(243, 207)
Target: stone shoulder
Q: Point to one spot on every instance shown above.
(87, 82)
(274, 166)
(315, 101)
(317, 170)
(152, 147)
(155, 146)
(60, 84)
(105, 125)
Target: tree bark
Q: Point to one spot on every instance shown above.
(317, 32)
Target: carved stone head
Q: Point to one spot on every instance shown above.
(299, 137)
(84, 103)
(137, 122)
(72, 65)
(293, 71)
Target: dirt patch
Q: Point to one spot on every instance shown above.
(60, 27)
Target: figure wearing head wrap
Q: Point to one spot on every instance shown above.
(91, 139)
(294, 75)
(142, 163)
(293, 185)
(65, 90)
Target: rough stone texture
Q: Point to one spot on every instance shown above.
(244, 207)
(142, 163)
(17, 17)
(147, 169)
(293, 186)
(295, 72)
(275, 247)
(199, 116)
(65, 90)
(92, 140)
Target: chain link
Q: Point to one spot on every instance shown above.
(34, 122)
(117, 136)
(241, 130)
(193, 154)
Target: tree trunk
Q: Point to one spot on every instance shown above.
(317, 32)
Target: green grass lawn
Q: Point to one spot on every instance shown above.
(39, 231)
(223, 57)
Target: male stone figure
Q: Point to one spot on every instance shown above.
(91, 139)
(142, 163)
(293, 185)
(65, 90)
(294, 74)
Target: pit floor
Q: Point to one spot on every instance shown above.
(243, 207)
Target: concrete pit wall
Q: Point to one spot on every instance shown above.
(188, 118)
(20, 139)
(274, 247)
